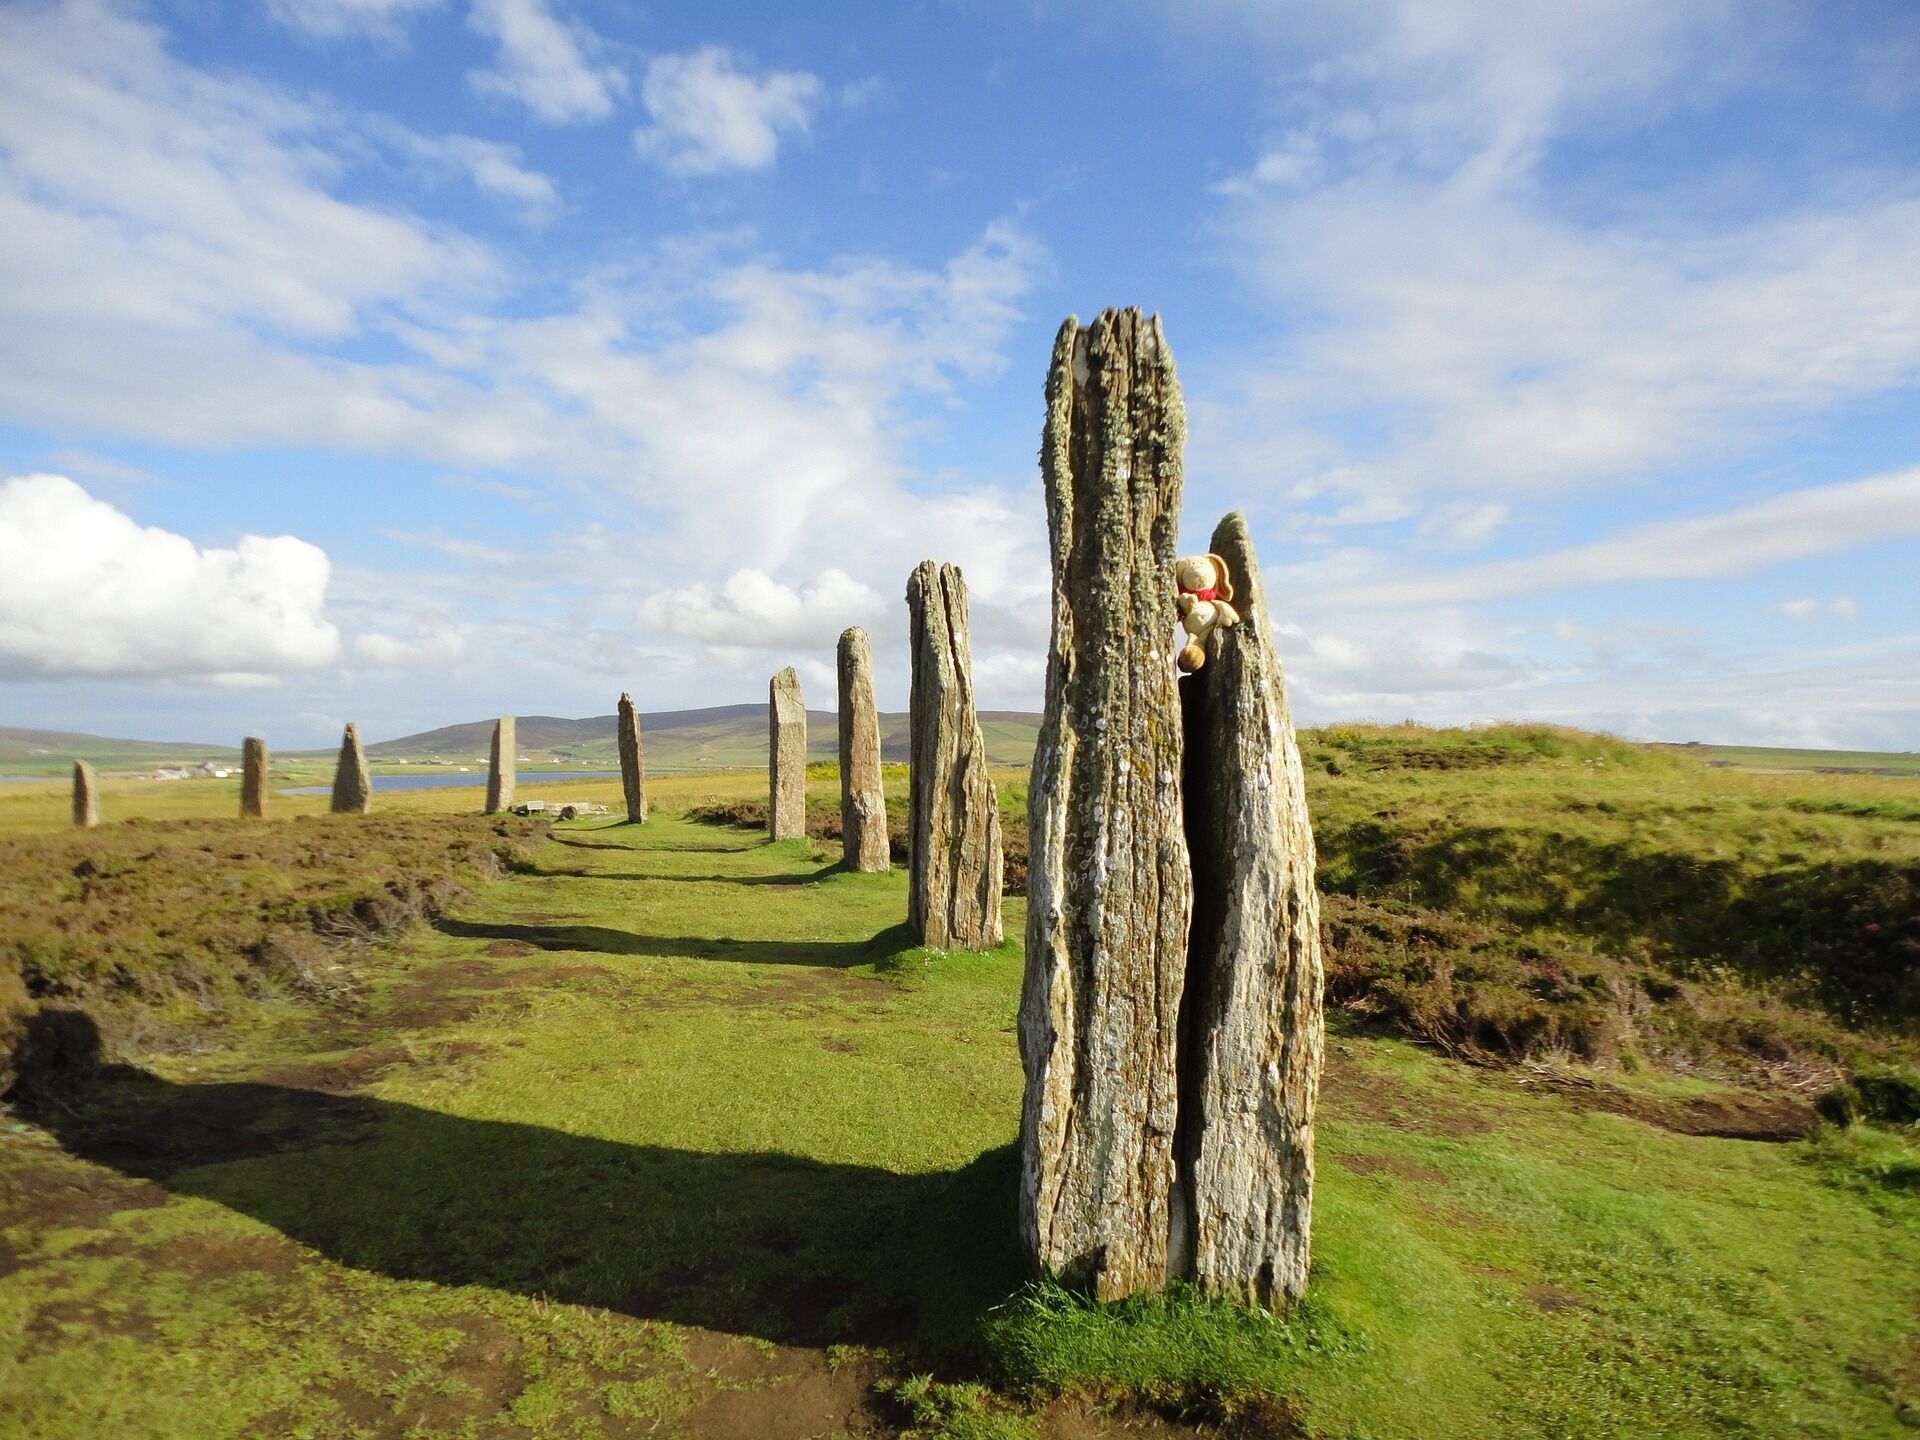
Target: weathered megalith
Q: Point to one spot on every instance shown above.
(86, 796)
(1109, 887)
(502, 770)
(786, 758)
(1252, 1030)
(863, 805)
(953, 821)
(253, 778)
(633, 763)
(352, 786)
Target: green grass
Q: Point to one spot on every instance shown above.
(1773, 759)
(1664, 872)
(670, 1130)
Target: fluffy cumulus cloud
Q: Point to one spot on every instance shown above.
(85, 590)
(709, 115)
(546, 63)
(751, 611)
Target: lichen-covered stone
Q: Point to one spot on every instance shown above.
(863, 804)
(633, 763)
(253, 778)
(1252, 1031)
(352, 786)
(86, 796)
(502, 771)
(786, 757)
(953, 821)
(1108, 886)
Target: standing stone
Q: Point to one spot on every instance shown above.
(352, 787)
(253, 778)
(1252, 1029)
(863, 805)
(633, 764)
(786, 758)
(501, 769)
(1109, 889)
(953, 824)
(86, 796)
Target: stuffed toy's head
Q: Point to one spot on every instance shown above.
(1203, 604)
(1203, 576)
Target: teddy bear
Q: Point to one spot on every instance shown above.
(1205, 589)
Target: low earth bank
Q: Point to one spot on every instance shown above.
(147, 927)
(1521, 894)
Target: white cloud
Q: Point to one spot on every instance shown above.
(1466, 326)
(1808, 610)
(141, 197)
(455, 547)
(494, 168)
(432, 641)
(752, 612)
(383, 20)
(85, 590)
(1819, 520)
(102, 468)
(548, 64)
(709, 115)
(736, 412)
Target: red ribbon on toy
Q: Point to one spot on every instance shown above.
(1207, 594)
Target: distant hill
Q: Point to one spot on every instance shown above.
(37, 752)
(720, 736)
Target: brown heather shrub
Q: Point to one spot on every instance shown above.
(128, 920)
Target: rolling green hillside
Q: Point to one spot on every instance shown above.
(717, 738)
(49, 752)
(1897, 764)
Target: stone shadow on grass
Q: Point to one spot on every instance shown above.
(788, 1249)
(809, 877)
(604, 940)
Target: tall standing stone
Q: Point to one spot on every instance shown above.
(1252, 1029)
(633, 764)
(502, 770)
(1109, 889)
(86, 796)
(786, 758)
(863, 804)
(253, 778)
(953, 821)
(352, 786)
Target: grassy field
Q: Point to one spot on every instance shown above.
(1777, 760)
(670, 1131)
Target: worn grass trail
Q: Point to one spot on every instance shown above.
(674, 1133)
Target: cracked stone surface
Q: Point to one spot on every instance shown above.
(953, 823)
(1252, 1027)
(1109, 889)
(633, 760)
(352, 786)
(863, 803)
(253, 778)
(501, 769)
(786, 757)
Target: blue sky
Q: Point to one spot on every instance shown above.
(409, 361)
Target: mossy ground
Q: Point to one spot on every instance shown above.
(672, 1132)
